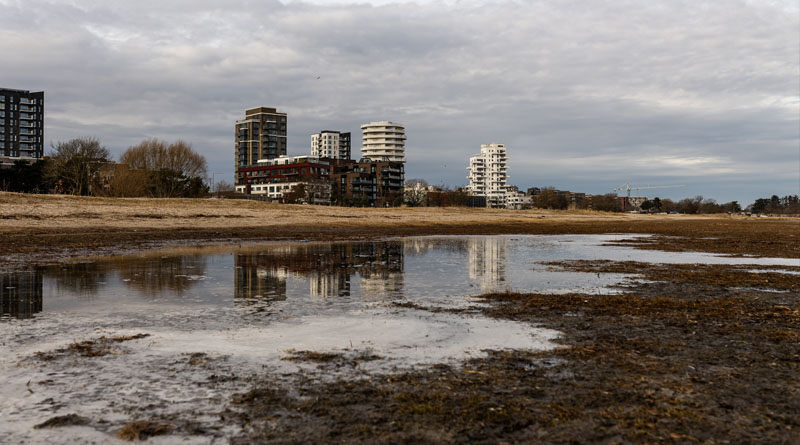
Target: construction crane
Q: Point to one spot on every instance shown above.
(628, 187)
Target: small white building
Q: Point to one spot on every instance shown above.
(286, 160)
(314, 192)
(518, 200)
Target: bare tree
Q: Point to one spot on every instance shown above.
(550, 198)
(74, 164)
(223, 188)
(125, 182)
(606, 203)
(296, 195)
(415, 192)
(175, 169)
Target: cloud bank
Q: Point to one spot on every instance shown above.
(586, 95)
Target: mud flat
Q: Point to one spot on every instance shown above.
(706, 354)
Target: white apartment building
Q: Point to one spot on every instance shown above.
(330, 144)
(318, 193)
(383, 141)
(488, 174)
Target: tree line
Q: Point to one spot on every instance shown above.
(82, 166)
(788, 205)
(417, 194)
(610, 202)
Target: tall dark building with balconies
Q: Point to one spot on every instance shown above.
(21, 125)
(261, 135)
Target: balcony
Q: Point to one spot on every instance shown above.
(362, 181)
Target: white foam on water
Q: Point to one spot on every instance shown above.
(153, 376)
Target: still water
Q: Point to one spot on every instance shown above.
(300, 278)
(247, 307)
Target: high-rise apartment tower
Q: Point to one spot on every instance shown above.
(21, 125)
(261, 135)
(383, 141)
(488, 174)
(330, 144)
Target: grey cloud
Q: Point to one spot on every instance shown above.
(589, 94)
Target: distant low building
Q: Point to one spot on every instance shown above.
(316, 180)
(518, 200)
(631, 203)
(368, 183)
(274, 178)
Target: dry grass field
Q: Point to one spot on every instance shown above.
(38, 228)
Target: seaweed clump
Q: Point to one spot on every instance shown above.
(89, 348)
(65, 420)
(333, 359)
(142, 430)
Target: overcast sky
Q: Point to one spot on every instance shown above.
(586, 95)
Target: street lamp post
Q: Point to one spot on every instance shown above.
(214, 183)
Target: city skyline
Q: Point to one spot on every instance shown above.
(701, 94)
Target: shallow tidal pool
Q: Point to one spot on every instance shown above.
(223, 314)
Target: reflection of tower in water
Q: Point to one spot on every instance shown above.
(255, 278)
(328, 268)
(326, 284)
(21, 294)
(382, 271)
(487, 262)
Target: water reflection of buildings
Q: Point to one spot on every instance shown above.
(327, 267)
(156, 277)
(255, 279)
(151, 276)
(487, 261)
(421, 246)
(382, 275)
(21, 294)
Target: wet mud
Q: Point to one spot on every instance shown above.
(669, 361)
